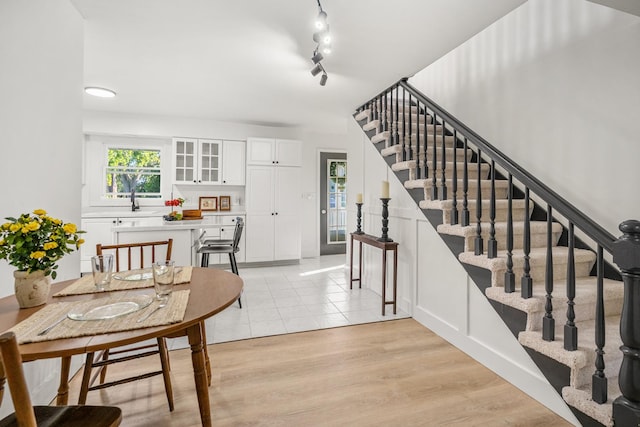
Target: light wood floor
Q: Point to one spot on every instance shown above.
(389, 373)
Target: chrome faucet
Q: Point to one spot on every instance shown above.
(134, 203)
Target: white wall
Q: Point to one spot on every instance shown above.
(41, 46)
(554, 85)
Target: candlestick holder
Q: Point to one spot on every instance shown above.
(385, 220)
(359, 220)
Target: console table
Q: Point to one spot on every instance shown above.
(385, 246)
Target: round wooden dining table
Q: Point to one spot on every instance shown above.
(211, 291)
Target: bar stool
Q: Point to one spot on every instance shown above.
(222, 246)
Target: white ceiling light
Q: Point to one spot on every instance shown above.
(100, 91)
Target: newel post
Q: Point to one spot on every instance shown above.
(626, 254)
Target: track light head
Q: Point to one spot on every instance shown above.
(326, 49)
(317, 57)
(323, 79)
(321, 20)
(316, 70)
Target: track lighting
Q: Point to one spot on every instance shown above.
(321, 20)
(316, 70)
(322, 37)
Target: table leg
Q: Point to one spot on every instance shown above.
(351, 264)
(199, 372)
(360, 264)
(384, 279)
(63, 388)
(207, 362)
(395, 278)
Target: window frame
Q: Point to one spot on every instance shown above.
(96, 148)
(105, 166)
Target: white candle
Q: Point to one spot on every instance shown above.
(359, 198)
(385, 189)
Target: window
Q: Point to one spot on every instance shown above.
(337, 201)
(128, 169)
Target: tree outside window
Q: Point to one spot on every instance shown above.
(129, 169)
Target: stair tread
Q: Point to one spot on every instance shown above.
(584, 355)
(427, 183)
(537, 255)
(500, 227)
(397, 148)
(585, 292)
(471, 203)
(411, 164)
(580, 398)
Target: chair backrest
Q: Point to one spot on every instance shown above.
(128, 249)
(237, 233)
(11, 369)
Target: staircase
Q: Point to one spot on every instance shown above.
(531, 252)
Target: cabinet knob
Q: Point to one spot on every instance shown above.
(272, 214)
(276, 213)
(273, 161)
(224, 181)
(114, 221)
(194, 180)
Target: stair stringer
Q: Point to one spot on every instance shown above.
(444, 297)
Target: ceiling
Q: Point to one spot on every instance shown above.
(249, 61)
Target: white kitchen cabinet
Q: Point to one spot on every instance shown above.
(197, 161)
(233, 162)
(273, 214)
(269, 151)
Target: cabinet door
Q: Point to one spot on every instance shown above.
(260, 182)
(287, 237)
(287, 224)
(288, 152)
(98, 230)
(185, 160)
(287, 190)
(260, 229)
(233, 162)
(260, 151)
(209, 161)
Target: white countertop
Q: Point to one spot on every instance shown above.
(144, 223)
(142, 213)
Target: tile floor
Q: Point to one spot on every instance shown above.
(311, 295)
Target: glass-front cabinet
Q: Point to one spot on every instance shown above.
(196, 161)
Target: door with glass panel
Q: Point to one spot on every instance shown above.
(333, 203)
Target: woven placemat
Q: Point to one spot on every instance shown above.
(27, 330)
(85, 284)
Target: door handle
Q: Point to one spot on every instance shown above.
(323, 211)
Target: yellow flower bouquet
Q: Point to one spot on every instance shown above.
(36, 242)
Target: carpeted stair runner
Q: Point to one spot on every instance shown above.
(577, 393)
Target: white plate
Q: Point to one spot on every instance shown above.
(133, 276)
(109, 311)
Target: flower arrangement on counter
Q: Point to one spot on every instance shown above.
(36, 241)
(174, 202)
(173, 216)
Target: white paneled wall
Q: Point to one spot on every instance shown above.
(432, 285)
